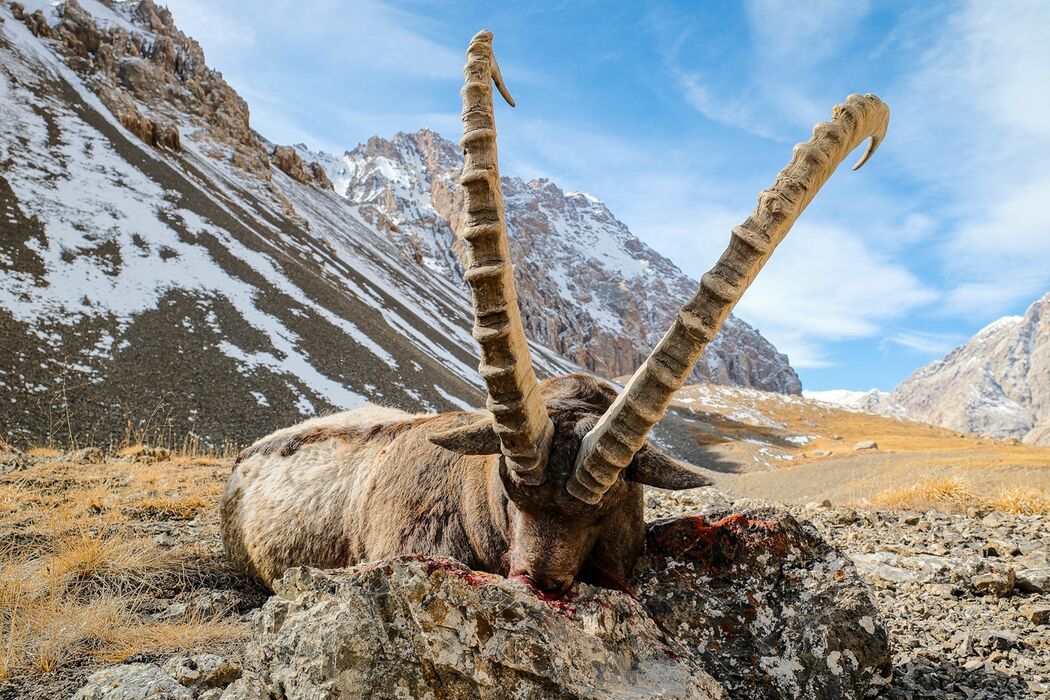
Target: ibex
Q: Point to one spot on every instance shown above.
(546, 484)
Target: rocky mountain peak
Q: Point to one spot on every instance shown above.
(995, 384)
(588, 287)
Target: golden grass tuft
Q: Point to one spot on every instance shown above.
(949, 492)
(954, 493)
(167, 637)
(1021, 500)
(171, 507)
(44, 452)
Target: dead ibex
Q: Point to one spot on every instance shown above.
(546, 484)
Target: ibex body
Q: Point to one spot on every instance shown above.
(545, 484)
(351, 488)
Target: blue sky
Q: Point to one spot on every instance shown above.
(678, 114)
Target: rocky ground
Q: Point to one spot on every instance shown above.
(966, 596)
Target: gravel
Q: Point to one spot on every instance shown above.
(954, 634)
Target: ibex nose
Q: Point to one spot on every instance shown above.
(552, 585)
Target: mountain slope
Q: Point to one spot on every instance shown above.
(588, 287)
(164, 270)
(996, 384)
(158, 277)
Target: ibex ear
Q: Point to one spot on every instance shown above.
(477, 438)
(654, 467)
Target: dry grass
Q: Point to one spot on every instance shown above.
(954, 493)
(1021, 500)
(79, 568)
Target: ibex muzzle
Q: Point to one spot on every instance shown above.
(546, 483)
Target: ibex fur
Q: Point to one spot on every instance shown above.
(546, 484)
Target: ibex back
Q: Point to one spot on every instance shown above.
(546, 484)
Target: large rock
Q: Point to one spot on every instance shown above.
(755, 600)
(768, 608)
(132, 682)
(425, 628)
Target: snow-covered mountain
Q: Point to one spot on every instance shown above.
(871, 401)
(588, 287)
(996, 384)
(164, 269)
(158, 274)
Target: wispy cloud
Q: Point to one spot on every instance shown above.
(300, 64)
(924, 342)
(972, 123)
(738, 111)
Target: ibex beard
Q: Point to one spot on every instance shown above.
(546, 484)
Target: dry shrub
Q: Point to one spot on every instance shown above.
(110, 560)
(168, 637)
(44, 452)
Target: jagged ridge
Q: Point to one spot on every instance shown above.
(587, 286)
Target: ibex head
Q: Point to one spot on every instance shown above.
(572, 452)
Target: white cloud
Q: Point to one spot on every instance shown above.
(826, 284)
(363, 34)
(739, 111)
(803, 36)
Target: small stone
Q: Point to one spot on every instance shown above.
(164, 540)
(844, 516)
(86, 455)
(145, 453)
(999, 583)
(821, 453)
(865, 445)
(202, 670)
(991, 520)
(973, 664)
(997, 639)
(1034, 580)
(174, 611)
(212, 604)
(999, 548)
(1037, 614)
(911, 519)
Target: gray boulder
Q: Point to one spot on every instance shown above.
(765, 605)
(1034, 580)
(427, 628)
(755, 600)
(202, 671)
(132, 682)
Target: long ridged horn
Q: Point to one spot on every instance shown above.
(521, 419)
(611, 445)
